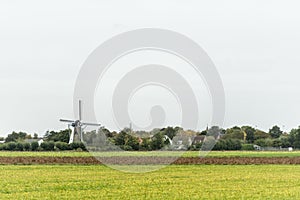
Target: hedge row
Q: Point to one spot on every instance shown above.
(45, 146)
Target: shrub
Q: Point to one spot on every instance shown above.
(62, 146)
(19, 146)
(34, 146)
(11, 146)
(247, 147)
(47, 146)
(76, 145)
(228, 144)
(26, 146)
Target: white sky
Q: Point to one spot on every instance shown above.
(254, 45)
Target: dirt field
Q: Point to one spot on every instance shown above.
(149, 160)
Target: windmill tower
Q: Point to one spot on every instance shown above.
(77, 132)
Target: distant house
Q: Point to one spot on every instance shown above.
(38, 140)
(199, 139)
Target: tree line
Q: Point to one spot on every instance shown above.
(169, 138)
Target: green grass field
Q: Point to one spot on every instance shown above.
(157, 153)
(172, 182)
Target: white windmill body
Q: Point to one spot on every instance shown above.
(77, 125)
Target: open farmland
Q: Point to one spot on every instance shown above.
(172, 182)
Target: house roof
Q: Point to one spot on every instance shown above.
(33, 140)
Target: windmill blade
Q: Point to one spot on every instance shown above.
(90, 124)
(80, 111)
(66, 120)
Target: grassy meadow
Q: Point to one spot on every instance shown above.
(172, 182)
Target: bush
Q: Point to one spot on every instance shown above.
(34, 146)
(19, 146)
(47, 146)
(62, 146)
(11, 146)
(247, 147)
(229, 144)
(126, 148)
(26, 146)
(77, 145)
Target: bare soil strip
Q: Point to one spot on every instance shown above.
(149, 160)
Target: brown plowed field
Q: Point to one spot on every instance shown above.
(149, 160)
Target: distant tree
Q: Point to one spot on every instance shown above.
(28, 136)
(294, 137)
(61, 136)
(170, 131)
(275, 132)
(203, 132)
(145, 145)
(260, 142)
(285, 141)
(157, 141)
(249, 133)
(215, 131)
(234, 133)
(133, 142)
(120, 139)
(277, 143)
(14, 137)
(35, 136)
(259, 134)
(228, 144)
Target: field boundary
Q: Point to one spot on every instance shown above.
(121, 160)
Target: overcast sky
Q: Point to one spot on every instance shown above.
(255, 46)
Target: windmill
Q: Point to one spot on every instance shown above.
(77, 126)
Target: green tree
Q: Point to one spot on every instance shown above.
(215, 131)
(61, 136)
(275, 132)
(14, 137)
(294, 137)
(249, 133)
(234, 133)
(35, 136)
(157, 141)
(259, 134)
(170, 131)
